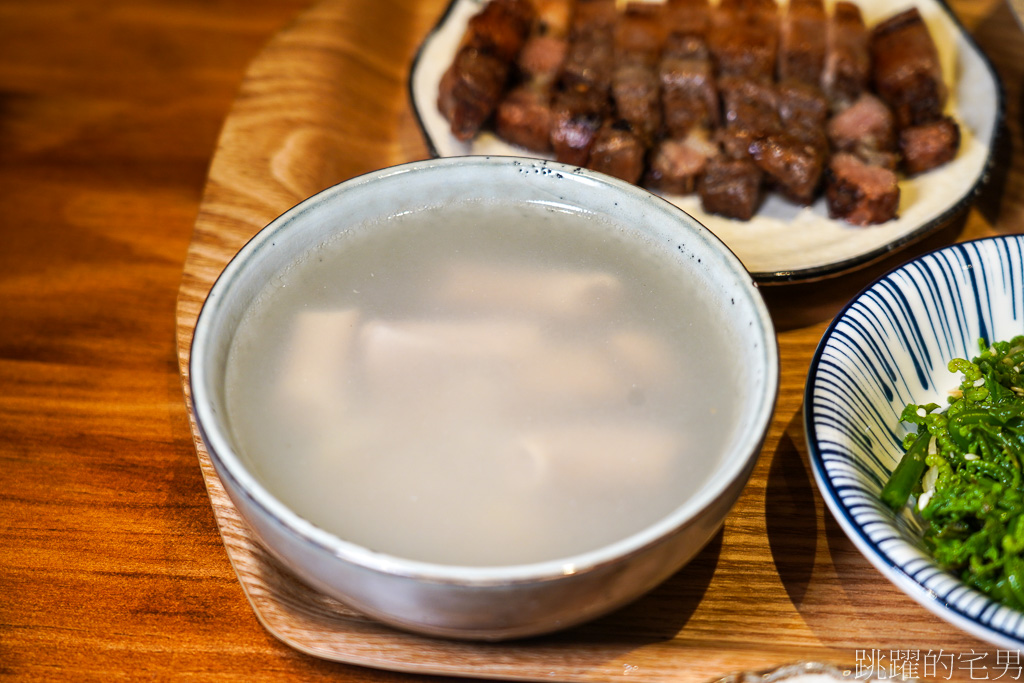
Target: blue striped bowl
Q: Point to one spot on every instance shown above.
(890, 347)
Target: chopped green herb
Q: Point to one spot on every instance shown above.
(974, 510)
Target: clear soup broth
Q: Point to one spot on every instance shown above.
(483, 384)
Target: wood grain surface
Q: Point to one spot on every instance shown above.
(118, 193)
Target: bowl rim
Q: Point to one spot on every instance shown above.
(737, 464)
(951, 607)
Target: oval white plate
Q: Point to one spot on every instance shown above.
(785, 242)
(888, 348)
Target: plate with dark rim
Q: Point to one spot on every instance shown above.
(785, 242)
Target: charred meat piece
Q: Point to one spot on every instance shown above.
(677, 163)
(688, 17)
(929, 145)
(576, 116)
(589, 62)
(750, 111)
(859, 193)
(689, 96)
(470, 89)
(640, 33)
(792, 163)
(524, 118)
(802, 33)
(472, 86)
(618, 151)
(553, 18)
(743, 38)
(541, 58)
(906, 69)
(801, 104)
(730, 187)
(639, 37)
(500, 28)
(592, 15)
(636, 96)
(847, 69)
(866, 129)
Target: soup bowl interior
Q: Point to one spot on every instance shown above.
(505, 599)
(890, 347)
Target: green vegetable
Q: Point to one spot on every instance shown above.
(974, 517)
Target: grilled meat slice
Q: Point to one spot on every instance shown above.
(730, 187)
(906, 70)
(792, 163)
(470, 89)
(500, 28)
(524, 117)
(636, 95)
(860, 193)
(847, 69)
(743, 38)
(929, 145)
(750, 111)
(676, 164)
(688, 17)
(689, 96)
(802, 34)
(618, 151)
(801, 104)
(866, 129)
(472, 86)
(640, 33)
(541, 58)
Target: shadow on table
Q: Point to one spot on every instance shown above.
(801, 304)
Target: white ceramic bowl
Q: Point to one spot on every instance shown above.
(487, 602)
(890, 347)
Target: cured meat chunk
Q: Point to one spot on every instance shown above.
(847, 69)
(688, 17)
(470, 89)
(553, 18)
(472, 86)
(743, 38)
(929, 145)
(867, 122)
(592, 15)
(802, 34)
(866, 129)
(589, 62)
(906, 69)
(801, 104)
(792, 163)
(859, 193)
(636, 96)
(524, 118)
(500, 28)
(750, 111)
(677, 163)
(581, 99)
(541, 58)
(730, 187)
(618, 151)
(689, 96)
(640, 33)
(576, 116)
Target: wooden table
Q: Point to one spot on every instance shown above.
(111, 562)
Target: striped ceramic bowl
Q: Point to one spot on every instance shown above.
(890, 347)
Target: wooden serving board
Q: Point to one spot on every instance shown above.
(326, 100)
